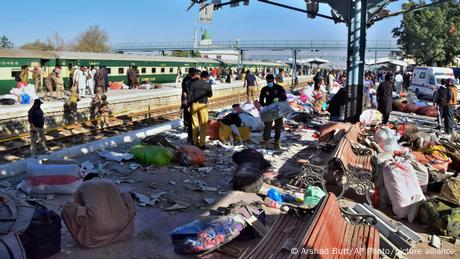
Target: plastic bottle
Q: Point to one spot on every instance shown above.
(271, 203)
(275, 195)
(288, 197)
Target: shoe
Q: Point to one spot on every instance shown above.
(277, 144)
(438, 128)
(265, 144)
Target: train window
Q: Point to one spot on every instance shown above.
(143, 70)
(171, 70)
(121, 70)
(162, 70)
(154, 70)
(15, 74)
(109, 70)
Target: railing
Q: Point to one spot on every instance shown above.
(253, 45)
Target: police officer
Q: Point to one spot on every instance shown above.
(37, 131)
(272, 93)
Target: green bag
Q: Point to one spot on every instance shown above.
(147, 154)
(441, 217)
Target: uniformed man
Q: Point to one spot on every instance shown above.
(37, 76)
(59, 81)
(272, 93)
(200, 91)
(37, 131)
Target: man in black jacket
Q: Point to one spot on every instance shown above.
(272, 93)
(37, 132)
(193, 74)
(385, 97)
(199, 92)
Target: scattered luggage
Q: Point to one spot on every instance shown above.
(252, 156)
(275, 111)
(247, 178)
(450, 190)
(213, 129)
(64, 177)
(11, 247)
(371, 117)
(43, 236)
(147, 154)
(402, 186)
(189, 155)
(206, 234)
(441, 217)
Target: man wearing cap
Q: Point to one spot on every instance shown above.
(37, 132)
(193, 74)
(449, 109)
(272, 93)
(200, 91)
(250, 83)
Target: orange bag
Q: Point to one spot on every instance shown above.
(213, 129)
(438, 164)
(190, 155)
(116, 85)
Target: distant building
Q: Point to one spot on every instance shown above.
(206, 40)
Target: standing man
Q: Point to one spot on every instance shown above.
(134, 77)
(272, 93)
(250, 82)
(385, 97)
(59, 81)
(37, 76)
(440, 101)
(449, 109)
(37, 131)
(398, 82)
(90, 79)
(279, 79)
(200, 91)
(80, 81)
(193, 75)
(25, 74)
(100, 77)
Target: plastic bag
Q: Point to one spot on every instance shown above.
(387, 139)
(402, 186)
(190, 155)
(206, 234)
(25, 99)
(275, 111)
(251, 109)
(370, 117)
(147, 154)
(254, 123)
(63, 178)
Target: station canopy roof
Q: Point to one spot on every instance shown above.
(316, 61)
(383, 61)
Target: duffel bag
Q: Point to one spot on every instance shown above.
(441, 217)
(43, 236)
(11, 247)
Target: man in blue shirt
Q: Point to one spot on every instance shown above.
(251, 85)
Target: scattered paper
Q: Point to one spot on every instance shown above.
(115, 156)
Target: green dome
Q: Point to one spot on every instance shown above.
(205, 36)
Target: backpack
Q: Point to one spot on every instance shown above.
(11, 247)
(247, 178)
(15, 214)
(43, 236)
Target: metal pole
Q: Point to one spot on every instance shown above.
(294, 69)
(355, 60)
(375, 61)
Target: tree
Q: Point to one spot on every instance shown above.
(38, 45)
(5, 43)
(94, 39)
(56, 41)
(430, 35)
(185, 53)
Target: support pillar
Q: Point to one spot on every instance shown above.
(355, 58)
(294, 70)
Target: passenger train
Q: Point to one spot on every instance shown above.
(156, 69)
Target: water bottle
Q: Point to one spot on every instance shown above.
(271, 203)
(275, 195)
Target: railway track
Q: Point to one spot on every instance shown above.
(12, 149)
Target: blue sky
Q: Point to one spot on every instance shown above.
(166, 20)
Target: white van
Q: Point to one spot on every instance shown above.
(426, 80)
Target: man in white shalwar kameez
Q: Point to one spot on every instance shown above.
(90, 79)
(80, 81)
